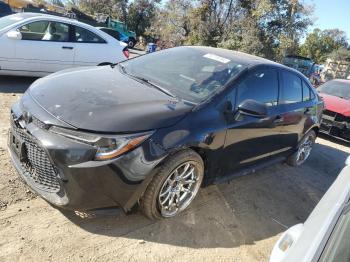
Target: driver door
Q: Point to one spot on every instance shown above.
(45, 47)
(250, 139)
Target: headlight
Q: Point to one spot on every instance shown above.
(108, 146)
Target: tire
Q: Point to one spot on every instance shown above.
(167, 177)
(131, 43)
(297, 158)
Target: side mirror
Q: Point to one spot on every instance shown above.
(253, 108)
(15, 35)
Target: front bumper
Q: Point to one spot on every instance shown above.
(331, 126)
(61, 170)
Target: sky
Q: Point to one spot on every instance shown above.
(331, 14)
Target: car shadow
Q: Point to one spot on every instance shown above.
(246, 210)
(15, 84)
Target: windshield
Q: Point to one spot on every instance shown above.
(336, 88)
(9, 20)
(188, 73)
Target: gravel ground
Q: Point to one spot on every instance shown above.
(237, 221)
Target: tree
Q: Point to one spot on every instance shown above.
(112, 8)
(140, 15)
(269, 28)
(340, 54)
(320, 43)
(171, 23)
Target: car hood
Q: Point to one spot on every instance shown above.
(336, 104)
(103, 99)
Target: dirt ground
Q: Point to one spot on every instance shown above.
(238, 221)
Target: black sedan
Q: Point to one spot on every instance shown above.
(153, 129)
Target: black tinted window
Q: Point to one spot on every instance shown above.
(261, 85)
(291, 88)
(112, 33)
(85, 36)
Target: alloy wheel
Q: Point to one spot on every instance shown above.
(305, 149)
(179, 189)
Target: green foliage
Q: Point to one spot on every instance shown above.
(114, 8)
(268, 28)
(319, 44)
(340, 54)
(141, 14)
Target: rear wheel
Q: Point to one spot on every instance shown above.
(174, 186)
(304, 149)
(131, 42)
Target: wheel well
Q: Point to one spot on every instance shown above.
(198, 150)
(316, 129)
(104, 64)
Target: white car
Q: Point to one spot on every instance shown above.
(33, 44)
(325, 235)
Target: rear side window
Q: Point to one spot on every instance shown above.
(292, 90)
(307, 94)
(261, 85)
(85, 36)
(112, 33)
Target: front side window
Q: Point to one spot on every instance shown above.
(85, 36)
(292, 91)
(45, 31)
(261, 85)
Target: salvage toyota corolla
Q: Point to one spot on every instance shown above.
(153, 129)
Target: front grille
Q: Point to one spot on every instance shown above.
(36, 164)
(329, 113)
(340, 118)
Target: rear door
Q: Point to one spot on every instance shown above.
(45, 47)
(250, 140)
(91, 49)
(297, 107)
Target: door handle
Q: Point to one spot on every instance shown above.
(67, 47)
(278, 120)
(307, 110)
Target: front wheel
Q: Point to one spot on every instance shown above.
(304, 150)
(174, 186)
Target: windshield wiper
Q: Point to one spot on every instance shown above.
(147, 81)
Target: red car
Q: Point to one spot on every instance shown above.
(336, 116)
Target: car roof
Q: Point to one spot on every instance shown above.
(30, 16)
(345, 81)
(26, 15)
(244, 58)
(106, 28)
